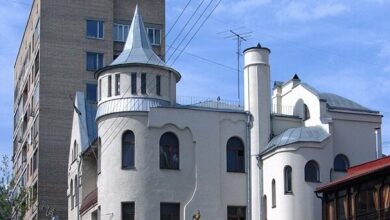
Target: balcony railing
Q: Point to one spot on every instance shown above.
(283, 110)
(209, 103)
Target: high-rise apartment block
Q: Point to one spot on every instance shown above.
(63, 44)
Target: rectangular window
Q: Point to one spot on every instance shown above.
(170, 211)
(236, 212)
(100, 89)
(109, 87)
(158, 85)
(35, 160)
(91, 92)
(95, 29)
(134, 83)
(154, 35)
(94, 61)
(117, 84)
(143, 83)
(36, 64)
(120, 32)
(128, 210)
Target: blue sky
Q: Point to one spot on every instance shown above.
(341, 47)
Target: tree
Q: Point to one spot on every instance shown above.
(12, 198)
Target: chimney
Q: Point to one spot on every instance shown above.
(378, 140)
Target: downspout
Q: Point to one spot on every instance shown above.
(78, 186)
(196, 184)
(248, 162)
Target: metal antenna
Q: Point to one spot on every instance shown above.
(239, 37)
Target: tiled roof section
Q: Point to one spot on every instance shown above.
(359, 171)
(89, 201)
(294, 135)
(137, 48)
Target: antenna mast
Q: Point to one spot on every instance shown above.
(239, 37)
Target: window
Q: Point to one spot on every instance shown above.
(120, 32)
(94, 61)
(169, 151)
(100, 89)
(76, 191)
(143, 83)
(35, 160)
(341, 163)
(158, 85)
(307, 112)
(312, 172)
(95, 29)
(91, 92)
(128, 141)
(36, 64)
(273, 193)
(109, 86)
(154, 36)
(134, 83)
(128, 210)
(71, 195)
(235, 156)
(170, 211)
(287, 179)
(117, 84)
(236, 212)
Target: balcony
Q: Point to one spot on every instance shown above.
(209, 103)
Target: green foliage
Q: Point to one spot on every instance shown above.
(9, 200)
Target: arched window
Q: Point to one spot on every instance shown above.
(76, 190)
(287, 179)
(307, 112)
(169, 151)
(235, 156)
(128, 149)
(273, 193)
(71, 194)
(75, 151)
(312, 171)
(341, 163)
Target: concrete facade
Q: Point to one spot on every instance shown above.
(51, 64)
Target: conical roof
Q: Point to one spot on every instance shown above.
(137, 48)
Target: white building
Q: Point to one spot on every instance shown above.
(147, 157)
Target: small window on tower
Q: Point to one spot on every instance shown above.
(143, 83)
(158, 85)
(117, 84)
(109, 87)
(133, 83)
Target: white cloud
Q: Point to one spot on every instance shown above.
(304, 11)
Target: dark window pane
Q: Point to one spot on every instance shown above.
(158, 85)
(101, 30)
(91, 61)
(128, 211)
(92, 28)
(91, 92)
(341, 163)
(117, 84)
(235, 155)
(157, 39)
(128, 142)
(150, 35)
(169, 151)
(99, 61)
(169, 211)
(236, 212)
(312, 173)
(143, 83)
(288, 179)
(134, 83)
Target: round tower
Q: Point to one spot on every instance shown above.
(257, 101)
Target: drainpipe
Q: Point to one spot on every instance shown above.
(378, 140)
(78, 186)
(248, 162)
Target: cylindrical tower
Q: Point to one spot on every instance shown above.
(258, 103)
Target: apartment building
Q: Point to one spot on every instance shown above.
(63, 44)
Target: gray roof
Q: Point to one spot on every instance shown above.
(337, 102)
(294, 135)
(137, 48)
